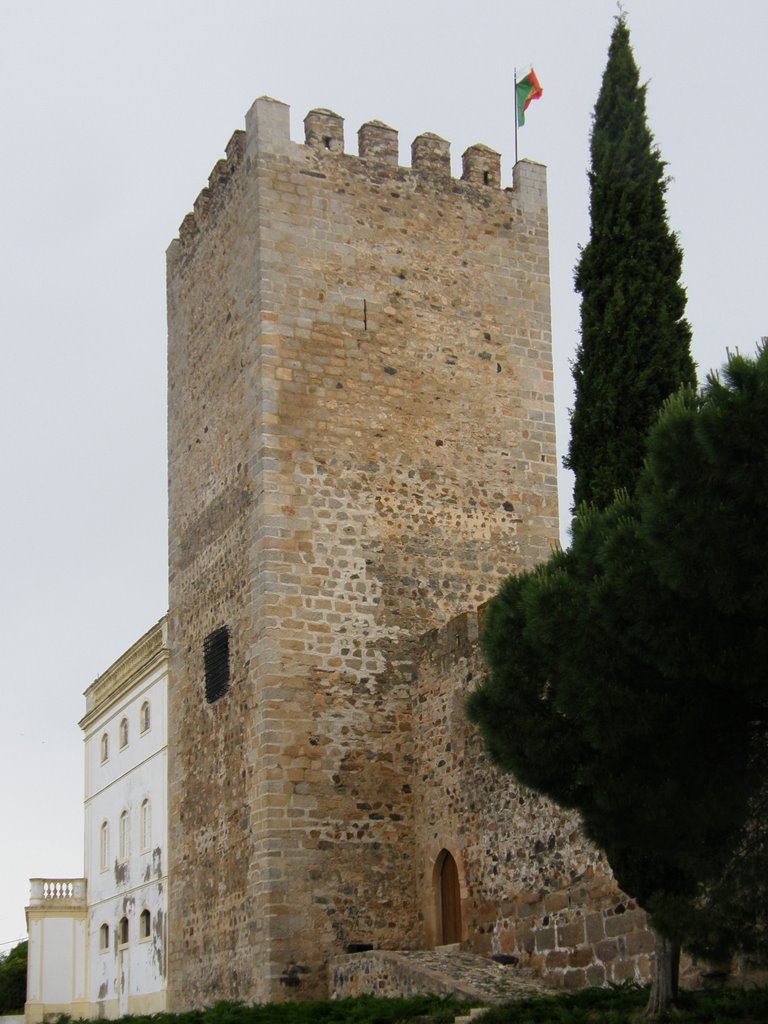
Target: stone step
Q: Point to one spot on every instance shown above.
(468, 976)
(474, 1013)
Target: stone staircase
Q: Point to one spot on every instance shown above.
(443, 971)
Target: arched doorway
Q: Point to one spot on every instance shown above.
(450, 900)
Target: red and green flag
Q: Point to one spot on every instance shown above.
(527, 89)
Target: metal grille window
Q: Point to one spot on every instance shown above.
(216, 653)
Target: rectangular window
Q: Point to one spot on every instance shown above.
(104, 846)
(125, 836)
(216, 657)
(146, 826)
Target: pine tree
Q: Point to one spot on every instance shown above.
(627, 674)
(635, 342)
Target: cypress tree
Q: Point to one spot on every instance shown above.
(635, 342)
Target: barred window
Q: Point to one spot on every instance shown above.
(145, 925)
(216, 656)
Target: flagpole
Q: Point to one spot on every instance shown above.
(514, 100)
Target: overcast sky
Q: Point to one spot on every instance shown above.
(113, 115)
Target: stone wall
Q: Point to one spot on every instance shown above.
(361, 444)
(532, 886)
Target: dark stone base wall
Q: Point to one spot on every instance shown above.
(532, 886)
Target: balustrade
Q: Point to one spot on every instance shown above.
(57, 892)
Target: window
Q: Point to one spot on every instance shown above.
(146, 825)
(125, 836)
(104, 937)
(122, 931)
(123, 733)
(104, 846)
(216, 655)
(104, 748)
(145, 925)
(144, 717)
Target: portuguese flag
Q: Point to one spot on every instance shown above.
(527, 89)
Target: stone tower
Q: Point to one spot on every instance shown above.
(361, 445)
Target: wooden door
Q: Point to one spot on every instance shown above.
(450, 901)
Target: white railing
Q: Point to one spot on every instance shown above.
(57, 892)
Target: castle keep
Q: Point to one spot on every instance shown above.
(361, 446)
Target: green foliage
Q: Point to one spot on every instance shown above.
(624, 1004)
(635, 342)
(628, 673)
(617, 1005)
(426, 1009)
(13, 980)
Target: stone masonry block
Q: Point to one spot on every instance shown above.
(595, 928)
(607, 950)
(595, 976)
(581, 957)
(571, 934)
(545, 939)
(640, 942)
(622, 924)
(575, 978)
(555, 901)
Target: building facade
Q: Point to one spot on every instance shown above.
(98, 944)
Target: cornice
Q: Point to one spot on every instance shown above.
(148, 652)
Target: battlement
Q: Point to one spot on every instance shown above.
(267, 133)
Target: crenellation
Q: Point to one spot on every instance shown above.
(235, 149)
(188, 229)
(267, 136)
(324, 131)
(431, 156)
(481, 166)
(202, 206)
(378, 142)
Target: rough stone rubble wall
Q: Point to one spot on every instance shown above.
(361, 443)
(532, 886)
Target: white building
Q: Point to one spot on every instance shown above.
(97, 945)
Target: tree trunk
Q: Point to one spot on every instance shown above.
(666, 974)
